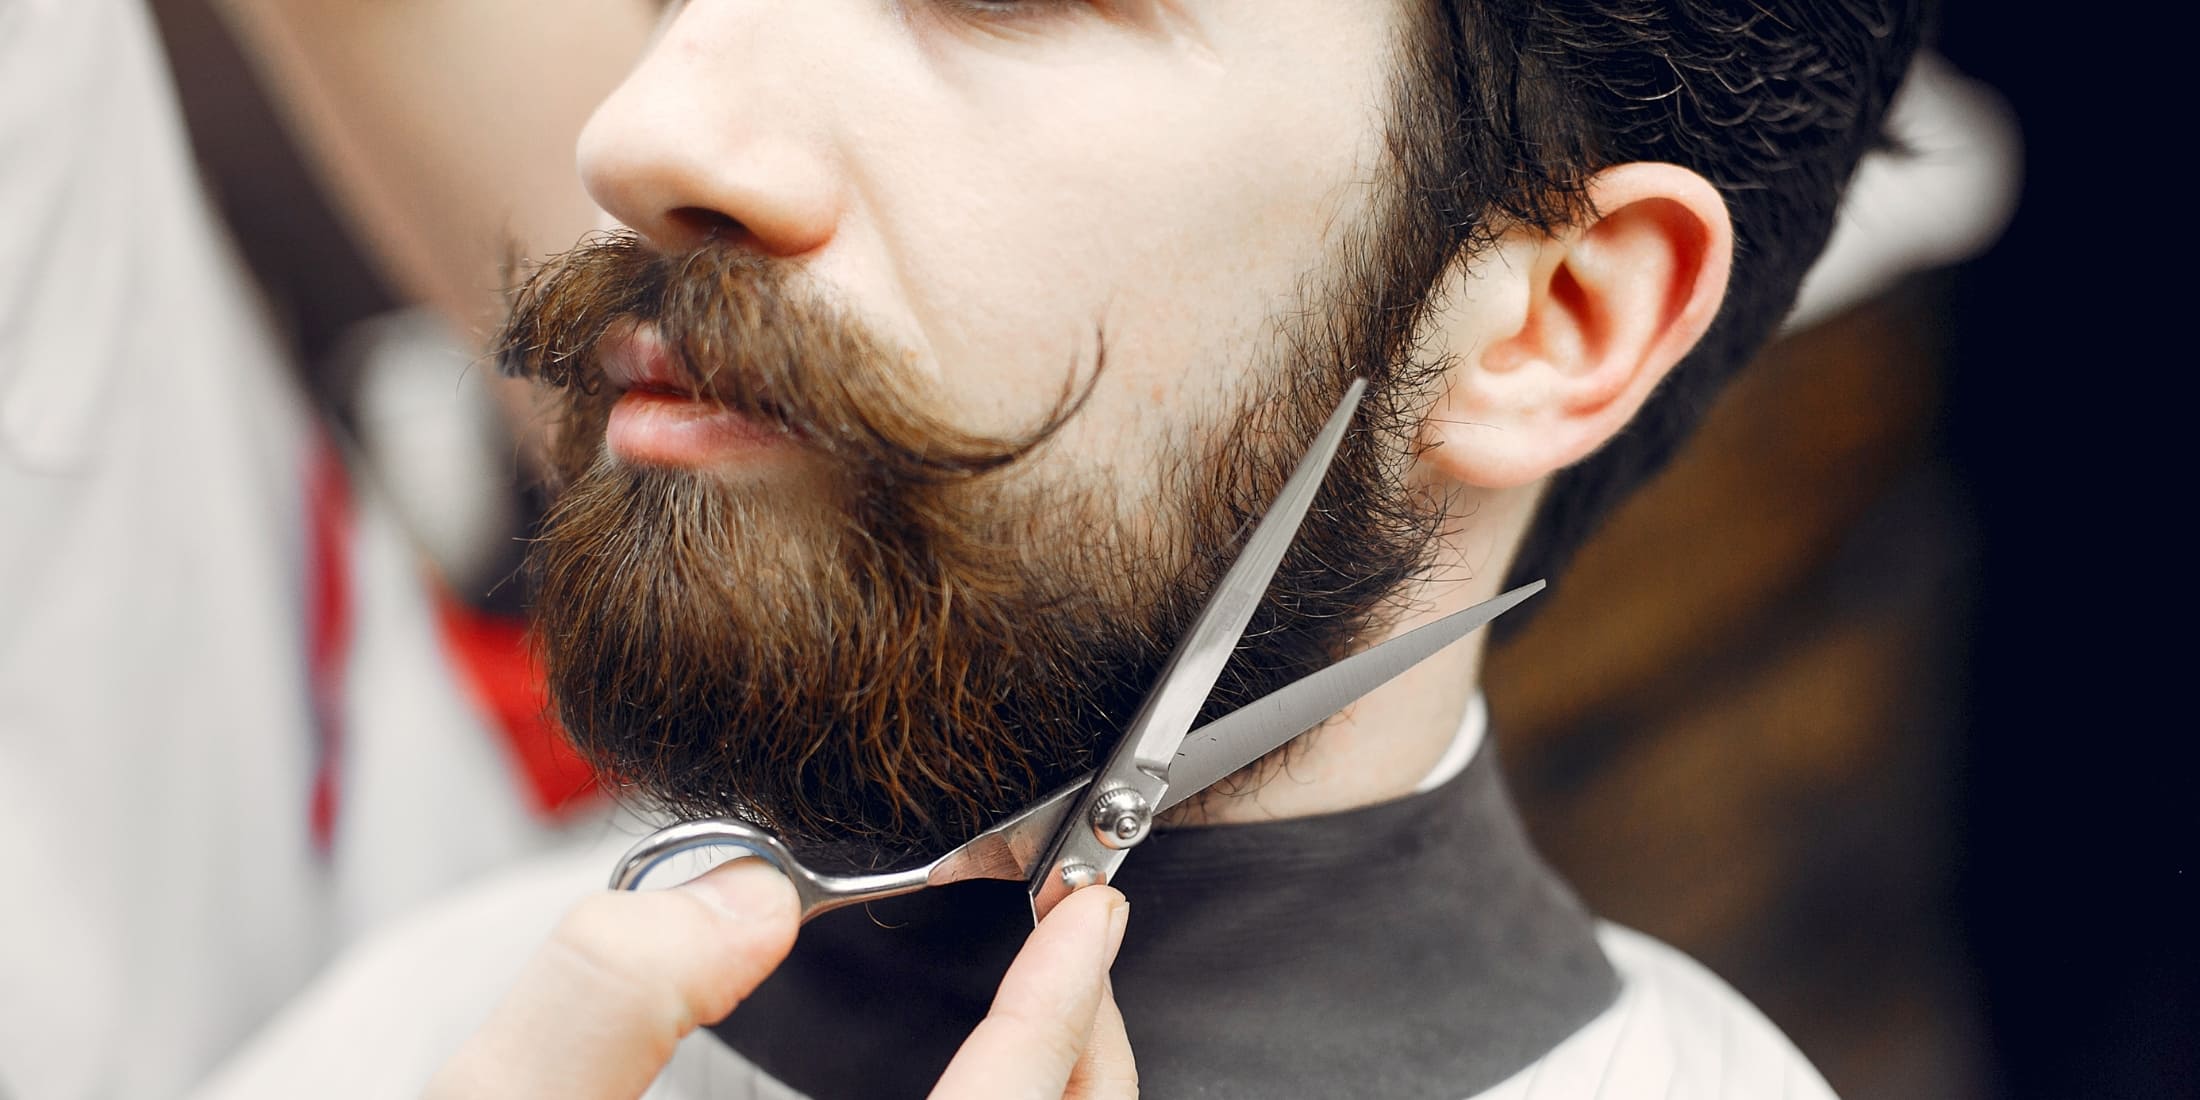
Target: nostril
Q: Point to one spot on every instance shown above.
(702, 224)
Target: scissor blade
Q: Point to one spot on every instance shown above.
(1214, 751)
(1159, 726)
(1136, 775)
(1011, 849)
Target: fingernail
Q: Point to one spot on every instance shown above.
(1119, 918)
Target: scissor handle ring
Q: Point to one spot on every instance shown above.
(817, 893)
(688, 836)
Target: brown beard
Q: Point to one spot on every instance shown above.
(942, 634)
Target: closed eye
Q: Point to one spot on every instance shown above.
(1011, 9)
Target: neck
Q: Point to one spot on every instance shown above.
(1378, 749)
(1382, 746)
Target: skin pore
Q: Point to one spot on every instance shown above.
(989, 185)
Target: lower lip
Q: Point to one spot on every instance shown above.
(663, 429)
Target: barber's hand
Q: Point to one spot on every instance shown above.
(598, 1010)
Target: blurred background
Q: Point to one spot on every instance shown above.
(1771, 716)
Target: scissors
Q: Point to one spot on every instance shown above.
(1079, 835)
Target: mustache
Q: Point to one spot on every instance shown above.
(752, 334)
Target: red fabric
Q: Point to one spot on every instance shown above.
(499, 666)
(328, 629)
(490, 652)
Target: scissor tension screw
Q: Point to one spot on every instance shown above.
(1121, 817)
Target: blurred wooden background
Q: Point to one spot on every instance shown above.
(1735, 725)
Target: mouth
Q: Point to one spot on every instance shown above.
(660, 420)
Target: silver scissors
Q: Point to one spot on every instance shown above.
(1079, 835)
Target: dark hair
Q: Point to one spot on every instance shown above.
(1772, 101)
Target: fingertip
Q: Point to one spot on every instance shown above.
(749, 890)
(1047, 1014)
(1091, 901)
(1096, 911)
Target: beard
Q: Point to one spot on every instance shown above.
(941, 627)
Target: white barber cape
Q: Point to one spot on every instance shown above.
(228, 736)
(396, 1007)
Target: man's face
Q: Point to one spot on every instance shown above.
(991, 183)
(961, 342)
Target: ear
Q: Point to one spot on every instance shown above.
(1557, 339)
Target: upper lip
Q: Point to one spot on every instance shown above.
(634, 357)
(637, 359)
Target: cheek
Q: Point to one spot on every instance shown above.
(1179, 217)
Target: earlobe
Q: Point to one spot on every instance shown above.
(1559, 338)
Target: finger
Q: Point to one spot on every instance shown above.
(1107, 1071)
(599, 1008)
(1043, 1015)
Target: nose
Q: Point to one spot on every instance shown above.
(716, 135)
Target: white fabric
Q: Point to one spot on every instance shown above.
(395, 1006)
(1943, 199)
(430, 425)
(159, 893)
(1676, 1031)
(383, 1019)
(1474, 725)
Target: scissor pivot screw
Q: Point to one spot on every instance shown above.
(1121, 817)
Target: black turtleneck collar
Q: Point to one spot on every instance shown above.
(1414, 948)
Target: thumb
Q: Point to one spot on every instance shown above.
(599, 1008)
(1037, 1035)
